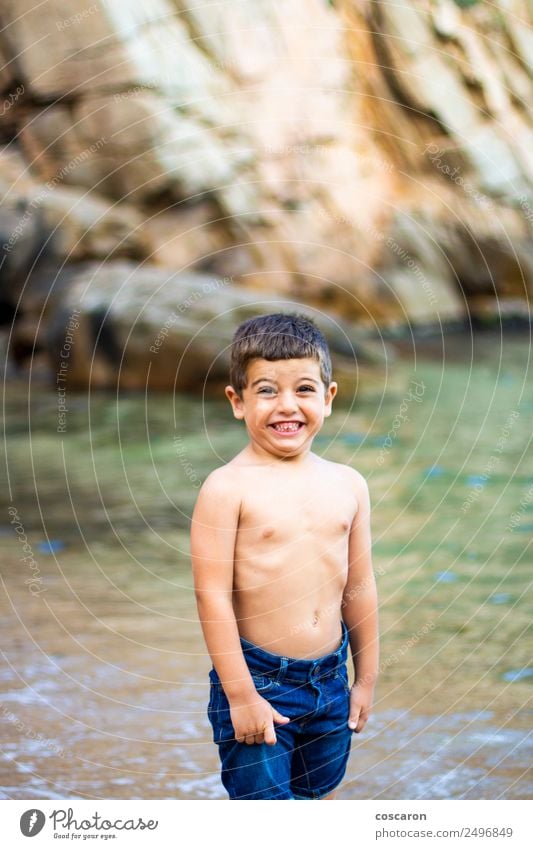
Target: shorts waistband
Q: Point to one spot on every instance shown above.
(295, 668)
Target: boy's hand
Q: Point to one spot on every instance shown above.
(253, 720)
(361, 698)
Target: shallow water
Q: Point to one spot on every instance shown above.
(105, 661)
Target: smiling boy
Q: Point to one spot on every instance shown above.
(281, 556)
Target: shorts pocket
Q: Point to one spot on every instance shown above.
(262, 683)
(343, 675)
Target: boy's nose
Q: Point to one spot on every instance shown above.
(287, 403)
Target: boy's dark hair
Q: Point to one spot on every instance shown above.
(279, 336)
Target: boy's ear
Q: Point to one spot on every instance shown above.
(235, 401)
(330, 394)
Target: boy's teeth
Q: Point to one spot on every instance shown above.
(291, 426)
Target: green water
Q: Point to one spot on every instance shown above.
(107, 662)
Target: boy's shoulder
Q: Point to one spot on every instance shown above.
(220, 483)
(349, 473)
(218, 478)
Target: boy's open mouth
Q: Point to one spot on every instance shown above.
(287, 427)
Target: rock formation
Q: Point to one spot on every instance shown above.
(371, 160)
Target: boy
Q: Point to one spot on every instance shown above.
(281, 550)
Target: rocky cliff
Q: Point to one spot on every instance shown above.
(372, 160)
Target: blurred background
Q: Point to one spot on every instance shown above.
(167, 170)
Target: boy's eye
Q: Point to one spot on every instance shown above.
(268, 389)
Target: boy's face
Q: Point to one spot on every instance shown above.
(283, 405)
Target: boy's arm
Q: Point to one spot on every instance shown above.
(213, 534)
(360, 610)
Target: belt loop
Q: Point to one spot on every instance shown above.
(345, 636)
(344, 640)
(282, 668)
(343, 646)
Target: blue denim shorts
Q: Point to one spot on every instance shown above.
(309, 758)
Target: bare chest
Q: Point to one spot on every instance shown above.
(284, 513)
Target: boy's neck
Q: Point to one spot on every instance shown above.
(258, 454)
